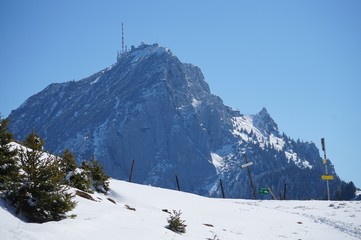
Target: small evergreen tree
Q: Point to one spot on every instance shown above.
(81, 180)
(89, 177)
(67, 163)
(41, 197)
(9, 170)
(175, 223)
(74, 176)
(99, 180)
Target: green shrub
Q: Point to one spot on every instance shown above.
(175, 223)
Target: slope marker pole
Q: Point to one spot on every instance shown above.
(325, 163)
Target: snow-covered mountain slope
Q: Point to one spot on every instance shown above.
(139, 212)
(152, 108)
(262, 130)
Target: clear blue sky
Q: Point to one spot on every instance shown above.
(299, 59)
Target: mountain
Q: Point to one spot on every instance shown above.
(152, 108)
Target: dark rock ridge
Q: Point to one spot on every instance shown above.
(160, 112)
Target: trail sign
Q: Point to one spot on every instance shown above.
(263, 191)
(247, 165)
(327, 177)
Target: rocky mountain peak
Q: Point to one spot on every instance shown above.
(152, 108)
(264, 122)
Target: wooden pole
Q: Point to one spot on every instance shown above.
(250, 177)
(176, 178)
(272, 194)
(284, 191)
(220, 182)
(131, 171)
(325, 163)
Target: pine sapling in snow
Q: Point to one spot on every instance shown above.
(175, 223)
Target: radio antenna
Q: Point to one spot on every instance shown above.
(123, 50)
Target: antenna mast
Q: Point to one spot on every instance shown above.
(121, 53)
(123, 39)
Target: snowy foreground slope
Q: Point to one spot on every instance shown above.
(206, 218)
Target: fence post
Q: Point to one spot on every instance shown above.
(176, 178)
(220, 182)
(131, 171)
(284, 191)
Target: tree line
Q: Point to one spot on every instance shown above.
(36, 184)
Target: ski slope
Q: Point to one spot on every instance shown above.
(139, 213)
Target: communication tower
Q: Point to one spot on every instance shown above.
(123, 49)
(121, 53)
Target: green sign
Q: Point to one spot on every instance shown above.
(263, 191)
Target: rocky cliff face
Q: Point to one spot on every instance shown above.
(160, 112)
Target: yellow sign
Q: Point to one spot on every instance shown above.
(327, 177)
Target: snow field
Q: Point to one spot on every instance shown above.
(206, 218)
